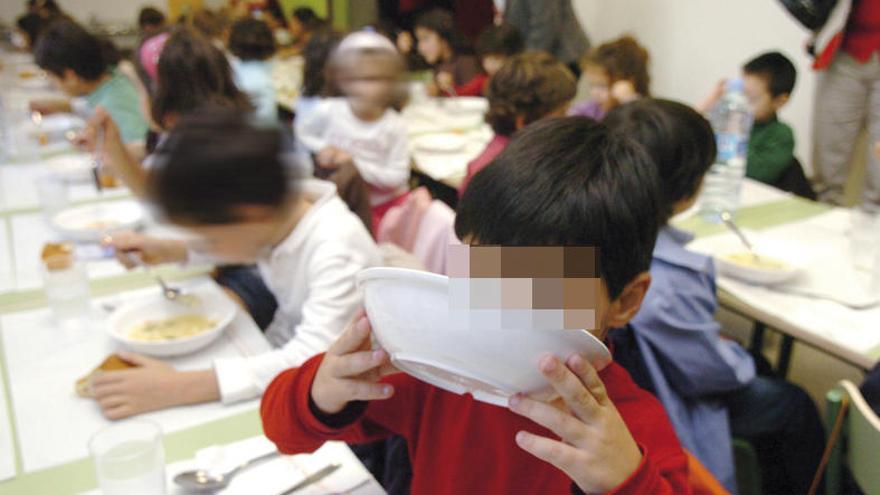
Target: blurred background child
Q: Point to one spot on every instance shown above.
(617, 73)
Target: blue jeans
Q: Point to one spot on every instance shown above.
(783, 425)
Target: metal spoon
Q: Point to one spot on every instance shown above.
(170, 293)
(201, 480)
(728, 221)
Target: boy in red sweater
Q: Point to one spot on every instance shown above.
(561, 182)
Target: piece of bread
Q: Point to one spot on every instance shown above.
(57, 256)
(112, 363)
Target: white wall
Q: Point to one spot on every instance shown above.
(694, 43)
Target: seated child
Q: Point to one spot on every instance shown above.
(227, 182)
(363, 129)
(496, 44)
(706, 383)
(561, 182)
(446, 50)
(617, 72)
(151, 22)
(768, 81)
(75, 62)
(528, 87)
(302, 25)
(252, 44)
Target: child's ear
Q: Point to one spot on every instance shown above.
(781, 100)
(627, 304)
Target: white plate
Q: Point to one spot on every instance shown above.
(72, 168)
(441, 143)
(90, 223)
(726, 244)
(211, 302)
(469, 104)
(411, 319)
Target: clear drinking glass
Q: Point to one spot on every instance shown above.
(66, 283)
(52, 192)
(129, 458)
(864, 235)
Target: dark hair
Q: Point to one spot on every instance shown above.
(214, 160)
(192, 73)
(531, 84)
(623, 59)
(111, 54)
(776, 69)
(503, 39)
(32, 25)
(251, 39)
(316, 53)
(273, 8)
(679, 140)
(568, 182)
(150, 16)
(208, 23)
(308, 18)
(66, 45)
(441, 22)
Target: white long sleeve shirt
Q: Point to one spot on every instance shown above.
(379, 148)
(312, 275)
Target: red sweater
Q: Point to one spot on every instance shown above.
(460, 446)
(862, 35)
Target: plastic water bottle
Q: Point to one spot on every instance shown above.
(732, 122)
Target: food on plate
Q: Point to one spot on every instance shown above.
(760, 262)
(112, 363)
(102, 224)
(108, 181)
(57, 256)
(27, 74)
(174, 327)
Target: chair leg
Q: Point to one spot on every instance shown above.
(757, 338)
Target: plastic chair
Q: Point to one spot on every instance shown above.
(858, 445)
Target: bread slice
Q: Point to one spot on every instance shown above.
(112, 363)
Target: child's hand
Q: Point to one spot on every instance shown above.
(597, 450)
(624, 91)
(326, 158)
(432, 89)
(150, 250)
(446, 82)
(342, 159)
(102, 131)
(712, 98)
(132, 391)
(351, 371)
(404, 42)
(47, 106)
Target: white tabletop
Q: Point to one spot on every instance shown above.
(43, 362)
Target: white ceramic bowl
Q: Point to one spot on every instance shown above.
(441, 143)
(756, 274)
(410, 315)
(90, 223)
(211, 302)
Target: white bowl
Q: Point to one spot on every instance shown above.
(441, 143)
(90, 223)
(211, 302)
(469, 104)
(756, 274)
(411, 318)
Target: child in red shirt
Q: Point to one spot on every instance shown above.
(563, 182)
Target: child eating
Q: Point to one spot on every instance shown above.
(561, 182)
(363, 129)
(618, 73)
(226, 181)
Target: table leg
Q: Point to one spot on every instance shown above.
(784, 356)
(757, 343)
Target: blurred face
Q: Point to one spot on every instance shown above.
(296, 28)
(69, 82)
(763, 104)
(242, 242)
(369, 82)
(600, 86)
(431, 46)
(492, 63)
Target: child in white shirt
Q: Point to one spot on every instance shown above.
(226, 181)
(363, 128)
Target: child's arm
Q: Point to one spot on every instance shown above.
(117, 156)
(597, 450)
(332, 302)
(393, 172)
(310, 131)
(770, 156)
(326, 397)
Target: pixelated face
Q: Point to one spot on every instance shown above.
(758, 94)
(548, 287)
(430, 45)
(600, 86)
(492, 63)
